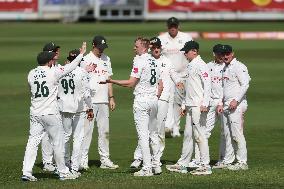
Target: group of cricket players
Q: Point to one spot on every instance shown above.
(170, 80)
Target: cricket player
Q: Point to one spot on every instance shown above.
(167, 73)
(46, 147)
(145, 78)
(141, 48)
(98, 65)
(44, 112)
(172, 42)
(75, 106)
(216, 73)
(198, 89)
(235, 85)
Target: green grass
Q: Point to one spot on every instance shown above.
(264, 123)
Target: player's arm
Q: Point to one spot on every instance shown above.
(160, 88)
(205, 77)
(244, 79)
(131, 82)
(111, 96)
(63, 70)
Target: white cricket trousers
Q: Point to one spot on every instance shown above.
(233, 122)
(73, 123)
(46, 149)
(195, 132)
(52, 124)
(161, 119)
(145, 118)
(173, 116)
(101, 116)
(226, 151)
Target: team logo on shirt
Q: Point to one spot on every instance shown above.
(205, 74)
(135, 70)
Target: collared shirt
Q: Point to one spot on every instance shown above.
(235, 81)
(99, 69)
(197, 84)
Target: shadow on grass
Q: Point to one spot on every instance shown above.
(96, 163)
(45, 175)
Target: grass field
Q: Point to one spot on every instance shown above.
(264, 123)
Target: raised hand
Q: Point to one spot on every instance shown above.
(83, 49)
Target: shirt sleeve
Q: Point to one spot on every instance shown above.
(63, 70)
(137, 68)
(110, 73)
(205, 77)
(86, 89)
(244, 79)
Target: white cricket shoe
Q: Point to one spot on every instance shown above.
(176, 133)
(67, 176)
(221, 165)
(177, 168)
(30, 178)
(136, 163)
(76, 173)
(204, 170)
(50, 167)
(157, 170)
(108, 164)
(143, 173)
(168, 132)
(194, 164)
(83, 167)
(238, 166)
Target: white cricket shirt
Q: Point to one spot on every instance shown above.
(168, 84)
(43, 82)
(235, 81)
(147, 70)
(216, 74)
(74, 92)
(99, 69)
(171, 48)
(197, 85)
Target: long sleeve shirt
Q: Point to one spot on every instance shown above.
(235, 81)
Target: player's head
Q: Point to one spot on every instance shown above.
(46, 58)
(228, 54)
(100, 43)
(155, 46)
(190, 49)
(217, 53)
(72, 55)
(173, 26)
(52, 47)
(141, 45)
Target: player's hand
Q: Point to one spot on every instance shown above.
(83, 49)
(180, 85)
(182, 112)
(203, 109)
(90, 114)
(112, 104)
(233, 104)
(105, 82)
(219, 109)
